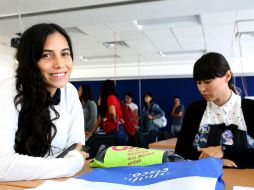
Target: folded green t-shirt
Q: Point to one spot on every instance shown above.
(116, 156)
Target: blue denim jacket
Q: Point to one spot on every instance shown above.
(154, 110)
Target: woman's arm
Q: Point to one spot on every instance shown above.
(243, 157)
(157, 112)
(190, 126)
(112, 112)
(76, 116)
(14, 166)
(97, 125)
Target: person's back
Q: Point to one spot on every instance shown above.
(109, 124)
(90, 115)
(111, 112)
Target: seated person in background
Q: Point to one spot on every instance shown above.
(40, 113)
(222, 125)
(89, 107)
(177, 116)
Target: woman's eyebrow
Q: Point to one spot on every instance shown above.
(66, 49)
(49, 50)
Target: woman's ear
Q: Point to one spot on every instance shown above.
(229, 75)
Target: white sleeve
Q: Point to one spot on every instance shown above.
(76, 130)
(14, 166)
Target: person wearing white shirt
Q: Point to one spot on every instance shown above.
(129, 102)
(40, 112)
(220, 125)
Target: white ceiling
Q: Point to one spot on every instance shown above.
(180, 29)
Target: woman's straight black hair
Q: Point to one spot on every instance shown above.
(211, 66)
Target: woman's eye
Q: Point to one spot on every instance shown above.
(207, 81)
(65, 54)
(46, 55)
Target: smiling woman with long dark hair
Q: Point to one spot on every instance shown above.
(40, 112)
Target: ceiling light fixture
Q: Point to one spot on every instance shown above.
(115, 44)
(138, 26)
(161, 54)
(99, 58)
(174, 22)
(83, 58)
(183, 53)
(245, 35)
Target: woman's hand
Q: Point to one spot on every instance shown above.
(150, 117)
(84, 154)
(213, 151)
(229, 163)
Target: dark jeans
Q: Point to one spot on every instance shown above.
(120, 134)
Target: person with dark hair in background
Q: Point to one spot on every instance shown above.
(89, 107)
(40, 112)
(150, 112)
(111, 113)
(131, 104)
(222, 125)
(133, 118)
(177, 116)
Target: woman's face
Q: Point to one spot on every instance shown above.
(128, 99)
(214, 89)
(147, 99)
(55, 63)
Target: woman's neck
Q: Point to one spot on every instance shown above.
(224, 99)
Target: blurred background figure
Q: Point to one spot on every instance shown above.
(150, 112)
(89, 107)
(131, 104)
(177, 116)
(111, 113)
(131, 119)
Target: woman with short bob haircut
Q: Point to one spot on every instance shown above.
(220, 126)
(40, 113)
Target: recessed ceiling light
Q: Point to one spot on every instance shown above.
(99, 58)
(115, 44)
(244, 35)
(138, 26)
(83, 58)
(172, 22)
(183, 53)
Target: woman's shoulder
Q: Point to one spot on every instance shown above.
(199, 105)
(69, 89)
(247, 103)
(112, 98)
(91, 103)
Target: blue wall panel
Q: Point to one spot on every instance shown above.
(164, 90)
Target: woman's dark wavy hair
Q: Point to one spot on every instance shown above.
(210, 66)
(108, 88)
(86, 93)
(35, 127)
